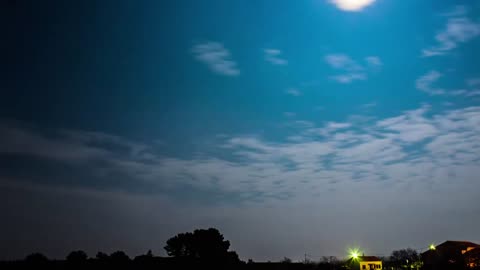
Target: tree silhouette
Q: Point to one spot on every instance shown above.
(36, 258)
(205, 245)
(119, 257)
(405, 258)
(180, 245)
(101, 256)
(149, 253)
(145, 258)
(77, 257)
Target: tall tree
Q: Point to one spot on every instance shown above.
(207, 245)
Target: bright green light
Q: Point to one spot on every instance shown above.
(432, 247)
(354, 253)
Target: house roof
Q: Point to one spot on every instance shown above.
(368, 258)
(365, 259)
(452, 245)
(463, 244)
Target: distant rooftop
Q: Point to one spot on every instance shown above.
(458, 243)
(451, 245)
(368, 258)
(365, 259)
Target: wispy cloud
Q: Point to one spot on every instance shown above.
(369, 105)
(274, 57)
(289, 114)
(293, 91)
(216, 57)
(426, 84)
(459, 29)
(373, 61)
(348, 78)
(473, 82)
(352, 5)
(351, 69)
(342, 61)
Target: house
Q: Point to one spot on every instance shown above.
(451, 255)
(364, 263)
(472, 257)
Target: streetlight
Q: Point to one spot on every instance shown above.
(354, 253)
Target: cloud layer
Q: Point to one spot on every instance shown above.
(332, 155)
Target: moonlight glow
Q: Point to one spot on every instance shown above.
(352, 5)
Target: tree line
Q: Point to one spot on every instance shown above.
(202, 248)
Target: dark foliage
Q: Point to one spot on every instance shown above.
(36, 258)
(404, 259)
(77, 257)
(202, 245)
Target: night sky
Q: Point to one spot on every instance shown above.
(293, 127)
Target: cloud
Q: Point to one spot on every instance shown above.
(352, 5)
(351, 70)
(373, 61)
(425, 84)
(348, 78)
(342, 61)
(294, 92)
(458, 30)
(273, 56)
(473, 82)
(330, 155)
(216, 57)
(369, 105)
(411, 128)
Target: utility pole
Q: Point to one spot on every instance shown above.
(306, 258)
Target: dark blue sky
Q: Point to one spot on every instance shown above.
(342, 122)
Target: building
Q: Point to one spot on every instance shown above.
(364, 263)
(451, 255)
(472, 257)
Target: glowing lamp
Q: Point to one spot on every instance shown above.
(354, 253)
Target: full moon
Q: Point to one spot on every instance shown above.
(352, 5)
